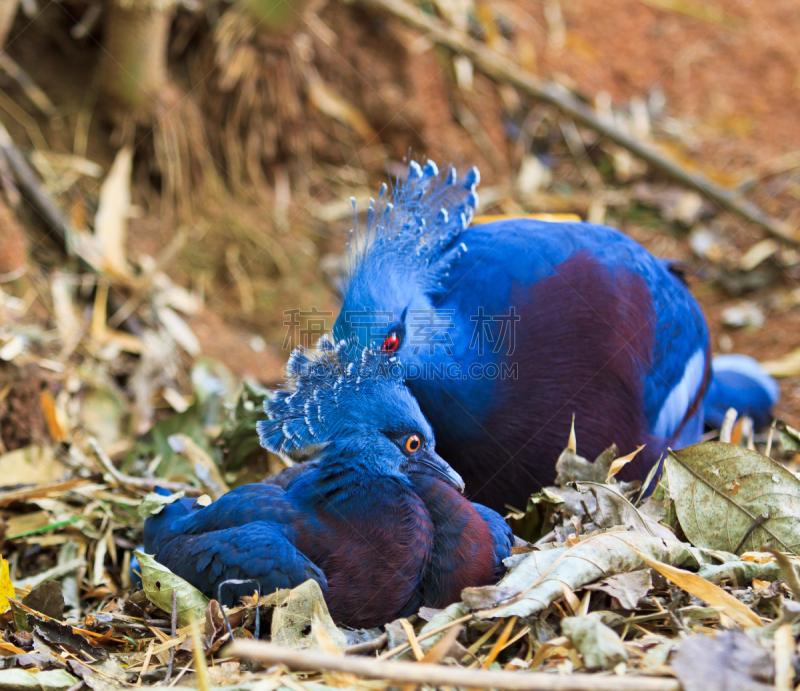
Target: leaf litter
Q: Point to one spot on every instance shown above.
(678, 584)
(604, 579)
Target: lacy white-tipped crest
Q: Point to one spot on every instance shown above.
(414, 228)
(327, 394)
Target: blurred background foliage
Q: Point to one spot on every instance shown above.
(190, 167)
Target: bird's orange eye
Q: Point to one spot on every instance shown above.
(413, 443)
(391, 343)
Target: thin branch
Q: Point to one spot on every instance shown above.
(32, 91)
(61, 228)
(138, 482)
(33, 192)
(367, 646)
(504, 69)
(441, 675)
(174, 631)
(439, 629)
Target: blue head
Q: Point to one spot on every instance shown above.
(354, 404)
(400, 259)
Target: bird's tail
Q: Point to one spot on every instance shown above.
(738, 381)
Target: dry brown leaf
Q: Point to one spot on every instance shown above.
(621, 462)
(627, 588)
(29, 465)
(786, 366)
(706, 591)
(537, 581)
(111, 221)
(762, 506)
(729, 660)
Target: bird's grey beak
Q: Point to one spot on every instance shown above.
(433, 464)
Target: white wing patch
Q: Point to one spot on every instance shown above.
(680, 398)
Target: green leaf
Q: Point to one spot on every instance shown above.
(239, 437)
(733, 499)
(158, 583)
(538, 517)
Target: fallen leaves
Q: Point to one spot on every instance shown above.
(6, 587)
(159, 582)
(626, 588)
(733, 499)
(110, 224)
(708, 592)
(301, 617)
(599, 645)
(730, 660)
(34, 680)
(537, 580)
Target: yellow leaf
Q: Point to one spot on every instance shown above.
(552, 218)
(786, 366)
(706, 591)
(111, 220)
(6, 587)
(620, 463)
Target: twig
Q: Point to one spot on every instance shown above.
(32, 91)
(367, 646)
(726, 428)
(38, 491)
(146, 663)
(504, 69)
(784, 652)
(138, 482)
(758, 521)
(181, 673)
(769, 439)
(33, 192)
(787, 570)
(174, 631)
(500, 643)
(439, 629)
(441, 675)
(412, 639)
(199, 656)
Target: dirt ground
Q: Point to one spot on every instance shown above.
(729, 81)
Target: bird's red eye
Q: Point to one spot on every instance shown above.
(391, 343)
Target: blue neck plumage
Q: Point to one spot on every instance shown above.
(346, 469)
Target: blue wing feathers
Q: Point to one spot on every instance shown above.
(246, 534)
(260, 552)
